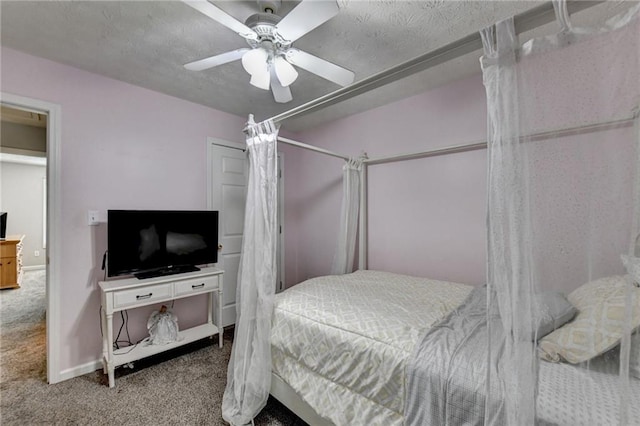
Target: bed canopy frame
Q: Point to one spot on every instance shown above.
(529, 20)
(525, 21)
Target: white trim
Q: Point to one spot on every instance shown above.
(44, 213)
(34, 268)
(54, 225)
(28, 152)
(281, 285)
(80, 370)
(23, 159)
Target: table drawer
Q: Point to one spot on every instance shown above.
(142, 296)
(8, 250)
(196, 285)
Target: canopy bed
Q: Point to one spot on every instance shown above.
(552, 338)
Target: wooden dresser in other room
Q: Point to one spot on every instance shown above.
(11, 261)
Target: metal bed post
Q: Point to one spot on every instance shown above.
(363, 212)
(591, 127)
(312, 148)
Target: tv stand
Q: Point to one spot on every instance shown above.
(169, 270)
(129, 293)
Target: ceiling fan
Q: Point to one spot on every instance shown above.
(270, 57)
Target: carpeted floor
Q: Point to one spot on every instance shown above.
(23, 329)
(179, 387)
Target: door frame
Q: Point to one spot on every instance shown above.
(54, 225)
(241, 146)
(280, 285)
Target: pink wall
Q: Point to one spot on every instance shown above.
(122, 147)
(426, 216)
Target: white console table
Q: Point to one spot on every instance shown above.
(122, 294)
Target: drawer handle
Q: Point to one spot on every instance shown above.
(197, 286)
(144, 296)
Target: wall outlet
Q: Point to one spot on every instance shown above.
(36, 253)
(92, 217)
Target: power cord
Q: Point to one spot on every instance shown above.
(133, 346)
(124, 315)
(124, 325)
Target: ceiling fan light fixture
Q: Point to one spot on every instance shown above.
(270, 60)
(285, 72)
(261, 80)
(255, 61)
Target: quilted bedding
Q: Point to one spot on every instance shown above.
(346, 343)
(342, 342)
(446, 378)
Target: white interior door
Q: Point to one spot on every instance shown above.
(228, 171)
(228, 165)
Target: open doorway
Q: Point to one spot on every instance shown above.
(51, 237)
(23, 250)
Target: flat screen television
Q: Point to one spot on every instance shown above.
(3, 225)
(149, 243)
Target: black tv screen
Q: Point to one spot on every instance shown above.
(149, 243)
(3, 225)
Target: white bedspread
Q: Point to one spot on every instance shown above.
(342, 342)
(573, 395)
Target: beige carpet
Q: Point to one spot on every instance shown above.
(23, 329)
(179, 387)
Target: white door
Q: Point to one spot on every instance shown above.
(228, 175)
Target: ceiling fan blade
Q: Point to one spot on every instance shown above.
(214, 61)
(324, 69)
(280, 93)
(222, 17)
(306, 16)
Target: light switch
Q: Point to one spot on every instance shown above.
(92, 217)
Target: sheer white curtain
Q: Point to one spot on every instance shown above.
(249, 370)
(563, 206)
(346, 246)
(509, 272)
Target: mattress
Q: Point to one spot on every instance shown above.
(342, 342)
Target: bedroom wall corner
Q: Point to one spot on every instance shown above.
(426, 216)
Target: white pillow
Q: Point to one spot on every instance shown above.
(597, 327)
(552, 312)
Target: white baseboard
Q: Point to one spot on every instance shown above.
(229, 315)
(34, 268)
(228, 318)
(80, 370)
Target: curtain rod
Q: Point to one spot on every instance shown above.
(525, 21)
(608, 125)
(312, 148)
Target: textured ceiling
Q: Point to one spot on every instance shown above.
(146, 43)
